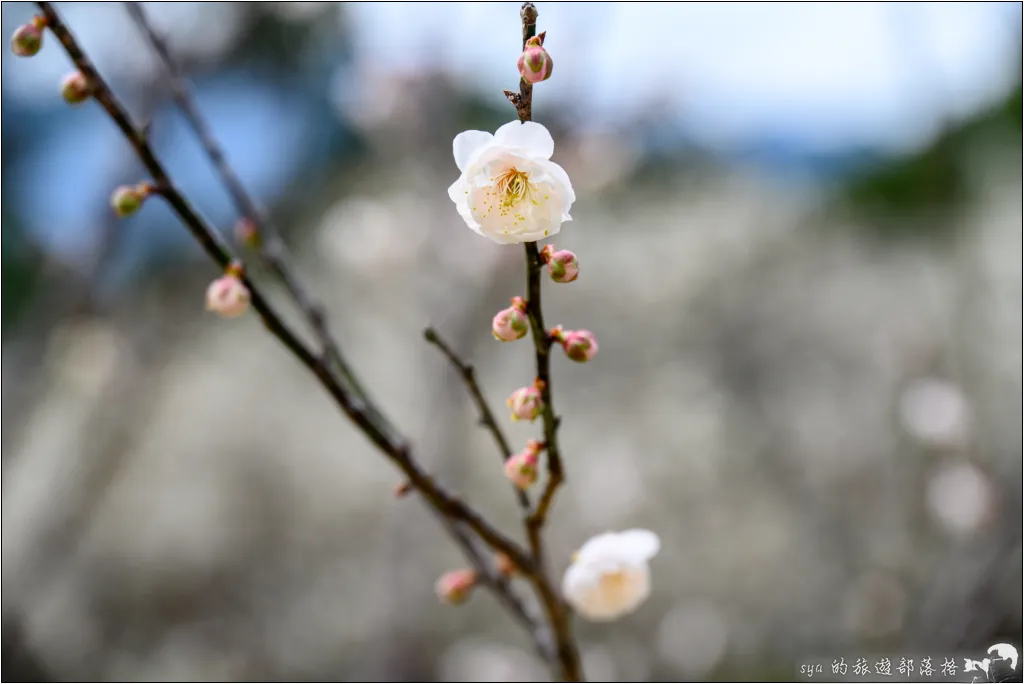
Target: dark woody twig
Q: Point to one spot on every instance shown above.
(486, 416)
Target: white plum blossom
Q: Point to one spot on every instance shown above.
(510, 191)
(609, 576)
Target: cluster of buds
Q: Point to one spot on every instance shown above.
(562, 264)
(527, 402)
(511, 324)
(521, 468)
(28, 39)
(578, 345)
(228, 296)
(535, 62)
(128, 199)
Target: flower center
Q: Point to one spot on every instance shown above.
(513, 187)
(614, 581)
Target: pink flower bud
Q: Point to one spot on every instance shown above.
(526, 402)
(456, 586)
(28, 39)
(75, 88)
(521, 468)
(402, 489)
(246, 233)
(511, 324)
(535, 62)
(562, 264)
(579, 345)
(128, 199)
(228, 295)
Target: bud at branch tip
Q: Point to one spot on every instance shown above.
(535, 62)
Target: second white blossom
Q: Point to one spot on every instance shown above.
(510, 191)
(609, 576)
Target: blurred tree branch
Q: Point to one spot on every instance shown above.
(272, 249)
(330, 367)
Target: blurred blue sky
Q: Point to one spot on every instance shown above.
(820, 78)
(830, 75)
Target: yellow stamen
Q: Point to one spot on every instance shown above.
(513, 187)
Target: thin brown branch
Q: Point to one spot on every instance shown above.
(487, 419)
(558, 613)
(271, 248)
(380, 434)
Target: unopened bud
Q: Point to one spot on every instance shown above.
(228, 296)
(128, 199)
(506, 567)
(562, 264)
(28, 39)
(535, 62)
(402, 489)
(511, 324)
(521, 468)
(526, 402)
(579, 345)
(456, 586)
(246, 232)
(75, 88)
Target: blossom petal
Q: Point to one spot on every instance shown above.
(459, 193)
(468, 145)
(626, 548)
(562, 178)
(597, 547)
(639, 545)
(577, 580)
(529, 136)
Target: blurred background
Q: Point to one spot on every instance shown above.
(799, 229)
